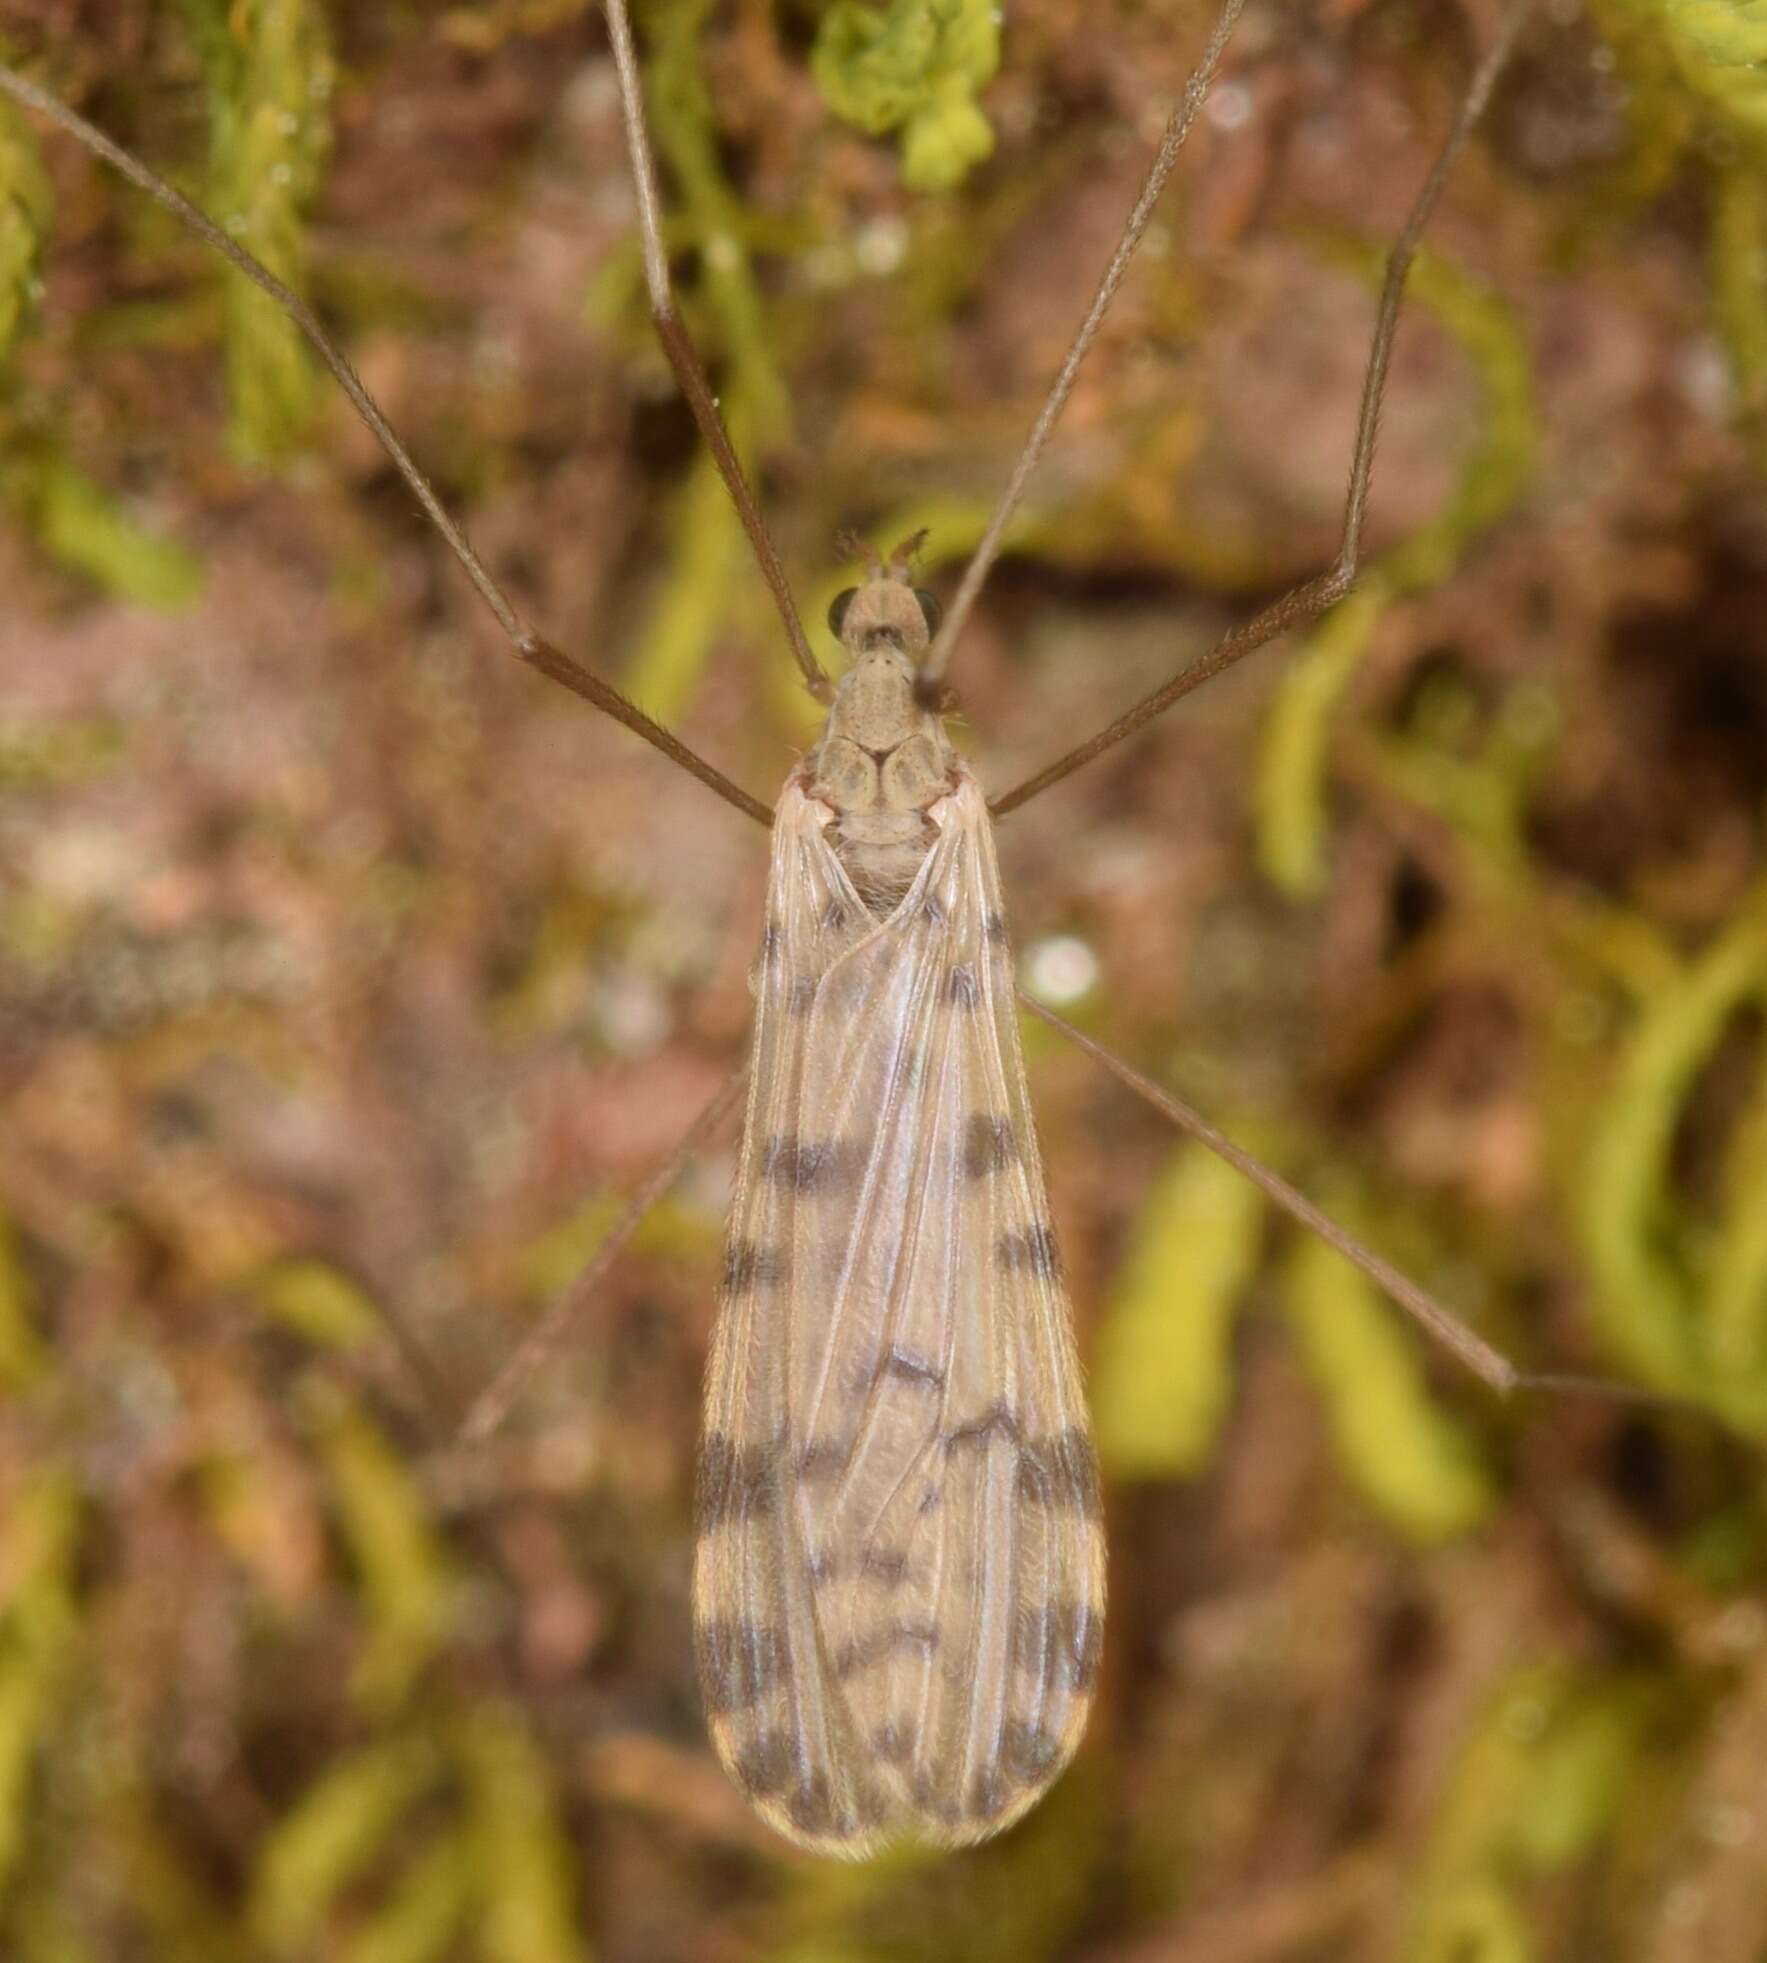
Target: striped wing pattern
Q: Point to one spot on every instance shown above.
(899, 1574)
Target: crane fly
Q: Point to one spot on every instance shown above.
(899, 1579)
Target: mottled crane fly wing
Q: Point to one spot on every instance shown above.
(899, 1580)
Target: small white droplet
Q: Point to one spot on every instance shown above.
(632, 1015)
(1059, 969)
(1230, 106)
(281, 174)
(881, 246)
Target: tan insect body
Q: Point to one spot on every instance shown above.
(899, 1577)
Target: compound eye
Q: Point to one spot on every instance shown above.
(837, 610)
(930, 610)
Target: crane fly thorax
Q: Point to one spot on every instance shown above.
(883, 760)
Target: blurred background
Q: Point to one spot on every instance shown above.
(351, 975)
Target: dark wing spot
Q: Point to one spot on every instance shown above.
(766, 1765)
(987, 1794)
(962, 990)
(1080, 1466)
(734, 1484)
(1079, 1640)
(1059, 1645)
(890, 1743)
(863, 1653)
(1030, 1249)
(933, 911)
(834, 916)
(994, 927)
(747, 1266)
(823, 1459)
(816, 1165)
(1038, 1473)
(772, 942)
(887, 1565)
(1029, 1752)
(739, 1662)
(908, 1368)
(933, 1803)
(989, 1145)
(803, 995)
(1061, 1472)
(812, 1806)
(995, 1422)
(870, 1808)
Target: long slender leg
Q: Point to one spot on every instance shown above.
(528, 646)
(684, 357)
(492, 1405)
(1485, 1362)
(1178, 124)
(1308, 601)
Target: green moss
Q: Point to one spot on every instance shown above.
(83, 526)
(913, 66)
(1640, 1249)
(522, 1852)
(269, 75)
(1534, 1791)
(1720, 50)
(25, 208)
(1293, 771)
(1162, 1370)
(1738, 254)
(337, 1829)
(707, 549)
(318, 1303)
(424, 1909)
(39, 1628)
(1411, 1460)
(24, 1357)
(405, 1578)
